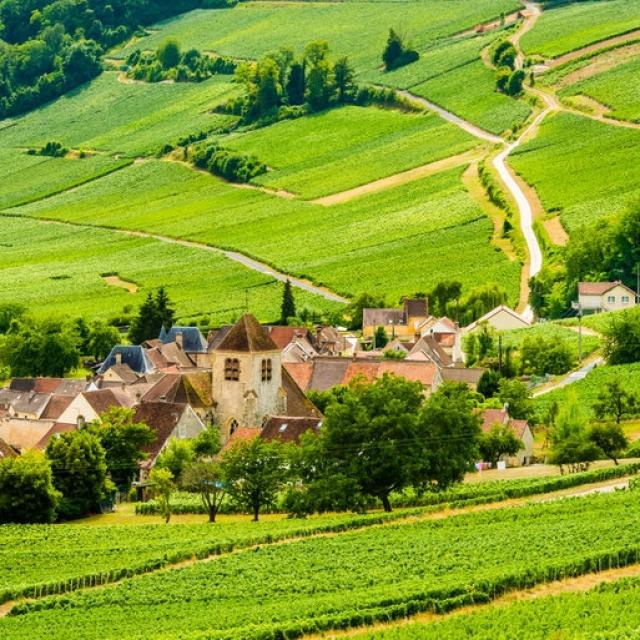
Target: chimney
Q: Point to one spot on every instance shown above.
(118, 357)
(179, 340)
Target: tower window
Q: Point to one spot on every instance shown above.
(233, 426)
(267, 370)
(231, 369)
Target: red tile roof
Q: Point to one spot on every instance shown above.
(289, 429)
(301, 372)
(162, 418)
(56, 407)
(241, 434)
(282, 336)
(596, 288)
(491, 417)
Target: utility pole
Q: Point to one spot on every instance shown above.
(500, 354)
(637, 282)
(578, 307)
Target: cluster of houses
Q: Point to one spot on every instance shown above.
(250, 380)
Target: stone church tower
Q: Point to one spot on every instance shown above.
(247, 378)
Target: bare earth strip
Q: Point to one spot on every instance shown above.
(117, 281)
(399, 178)
(556, 231)
(596, 46)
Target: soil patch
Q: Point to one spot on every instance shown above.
(117, 281)
(556, 231)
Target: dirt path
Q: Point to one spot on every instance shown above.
(556, 232)
(531, 14)
(117, 281)
(399, 178)
(244, 260)
(570, 585)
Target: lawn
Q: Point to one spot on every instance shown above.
(574, 25)
(350, 579)
(358, 29)
(618, 89)
(393, 242)
(56, 270)
(122, 119)
(343, 148)
(565, 164)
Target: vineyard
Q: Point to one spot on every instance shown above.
(354, 578)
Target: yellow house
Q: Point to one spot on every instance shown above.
(403, 322)
(605, 296)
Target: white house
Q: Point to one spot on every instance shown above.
(605, 296)
(501, 318)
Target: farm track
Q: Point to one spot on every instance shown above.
(240, 258)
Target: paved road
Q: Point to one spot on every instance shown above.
(574, 376)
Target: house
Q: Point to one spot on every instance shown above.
(520, 428)
(605, 296)
(402, 322)
(446, 333)
(502, 318)
(90, 405)
(465, 375)
(135, 357)
(289, 430)
(25, 435)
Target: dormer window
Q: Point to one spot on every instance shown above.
(267, 370)
(232, 369)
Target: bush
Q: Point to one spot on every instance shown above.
(227, 164)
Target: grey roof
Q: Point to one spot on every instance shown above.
(382, 317)
(133, 356)
(328, 373)
(192, 340)
(31, 403)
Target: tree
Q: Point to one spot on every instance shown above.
(123, 441)
(610, 439)
(288, 307)
(448, 432)
(380, 339)
(79, 466)
(254, 472)
(616, 402)
(207, 443)
(489, 383)
(268, 86)
(344, 79)
(499, 441)
(176, 457)
(164, 310)
(154, 313)
(100, 340)
(27, 494)
(372, 434)
(516, 80)
(9, 313)
(358, 304)
(319, 75)
(162, 488)
(169, 53)
(392, 51)
(515, 394)
(295, 84)
(570, 443)
(207, 480)
(622, 338)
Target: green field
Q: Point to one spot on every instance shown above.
(572, 26)
(618, 89)
(57, 270)
(343, 148)
(358, 29)
(588, 390)
(391, 242)
(608, 611)
(122, 119)
(564, 162)
(351, 578)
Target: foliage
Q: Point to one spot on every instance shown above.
(206, 479)
(397, 53)
(222, 162)
(207, 443)
(616, 402)
(254, 472)
(176, 457)
(79, 466)
(499, 441)
(380, 338)
(154, 313)
(162, 488)
(622, 343)
(101, 338)
(489, 383)
(123, 441)
(515, 394)
(51, 149)
(288, 308)
(27, 494)
(610, 439)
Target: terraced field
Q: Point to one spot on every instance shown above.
(58, 270)
(564, 163)
(570, 26)
(347, 147)
(406, 249)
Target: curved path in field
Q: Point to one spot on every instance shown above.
(244, 260)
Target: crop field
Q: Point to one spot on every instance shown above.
(122, 119)
(577, 24)
(424, 223)
(588, 389)
(564, 164)
(347, 147)
(551, 331)
(618, 89)
(453, 76)
(58, 271)
(252, 29)
(607, 611)
(352, 578)
(25, 178)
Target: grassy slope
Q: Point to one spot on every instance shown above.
(56, 270)
(575, 25)
(564, 162)
(350, 247)
(618, 88)
(343, 148)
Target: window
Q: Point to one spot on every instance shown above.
(267, 371)
(625, 299)
(611, 299)
(233, 425)
(231, 369)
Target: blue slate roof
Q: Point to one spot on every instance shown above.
(192, 340)
(133, 356)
